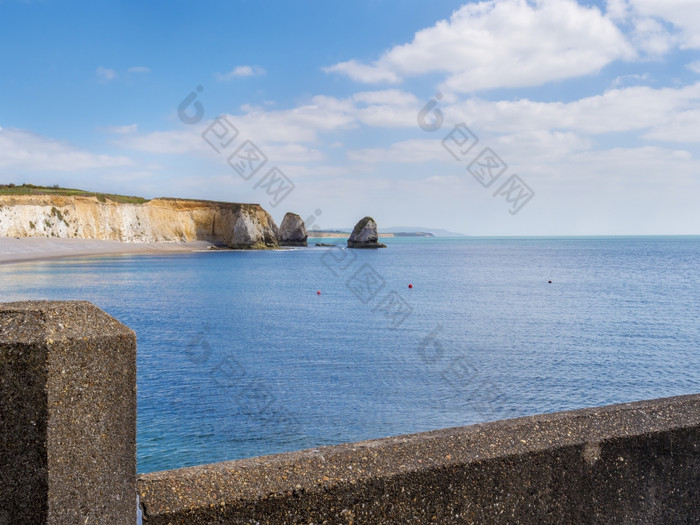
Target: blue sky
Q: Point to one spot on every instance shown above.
(590, 110)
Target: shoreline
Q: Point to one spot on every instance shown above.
(32, 249)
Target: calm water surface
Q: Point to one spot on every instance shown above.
(239, 356)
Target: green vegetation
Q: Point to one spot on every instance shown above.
(360, 225)
(31, 189)
(57, 213)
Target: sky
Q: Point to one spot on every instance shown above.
(495, 117)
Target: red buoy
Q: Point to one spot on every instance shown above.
(318, 292)
(410, 286)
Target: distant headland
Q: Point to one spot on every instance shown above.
(341, 234)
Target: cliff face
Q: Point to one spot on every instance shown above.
(365, 235)
(292, 231)
(158, 220)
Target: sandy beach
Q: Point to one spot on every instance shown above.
(14, 250)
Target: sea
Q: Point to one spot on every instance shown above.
(246, 353)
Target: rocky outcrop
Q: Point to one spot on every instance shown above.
(292, 231)
(245, 226)
(254, 228)
(364, 235)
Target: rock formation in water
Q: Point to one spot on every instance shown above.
(245, 226)
(364, 235)
(292, 231)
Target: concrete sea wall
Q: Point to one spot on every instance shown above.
(67, 453)
(632, 463)
(67, 415)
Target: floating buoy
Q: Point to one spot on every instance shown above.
(410, 286)
(318, 292)
(550, 282)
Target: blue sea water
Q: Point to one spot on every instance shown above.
(239, 356)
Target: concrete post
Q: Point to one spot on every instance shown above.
(67, 415)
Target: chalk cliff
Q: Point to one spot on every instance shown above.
(365, 235)
(292, 231)
(159, 220)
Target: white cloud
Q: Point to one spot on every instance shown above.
(297, 125)
(388, 116)
(623, 80)
(388, 96)
(301, 124)
(657, 27)
(526, 146)
(560, 149)
(537, 146)
(139, 69)
(390, 108)
(684, 14)
(694, 66)
(122, 130)
(502, 43)
(681, 126)
(292, 153)
(408, 151)
(617, 110)
(526, 131)
(23, 150)
(372, 74)
(617, 9)
(319, 171)
(181, 141)
(651, 37)
(240, 72)
(105, 74)
(660, 166)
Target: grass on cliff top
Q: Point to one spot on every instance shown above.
(31, 189)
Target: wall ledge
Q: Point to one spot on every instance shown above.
(614, 463)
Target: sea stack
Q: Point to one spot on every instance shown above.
(249, 232)
(292, 231)
(364, 235)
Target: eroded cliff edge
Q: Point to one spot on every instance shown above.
(245, 226)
